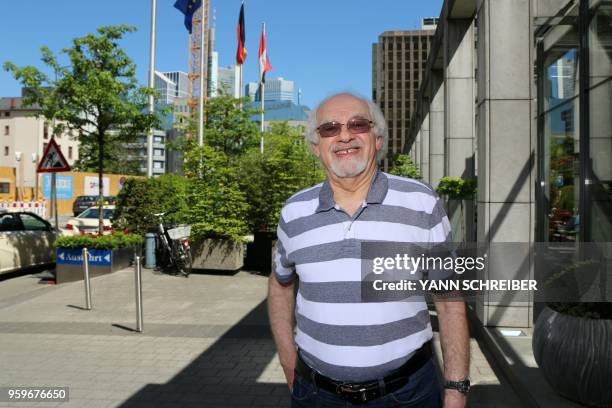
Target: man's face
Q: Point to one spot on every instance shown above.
(346, 155)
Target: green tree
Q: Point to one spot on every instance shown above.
(96, 96)
(268, 180)
(217, 206)
(402, 165)
(228, 127)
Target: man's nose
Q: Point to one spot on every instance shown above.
(345, 135)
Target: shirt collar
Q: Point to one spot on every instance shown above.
(376, 193)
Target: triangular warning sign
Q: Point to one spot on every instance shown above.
(53, 160)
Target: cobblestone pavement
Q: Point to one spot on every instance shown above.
(206, 343)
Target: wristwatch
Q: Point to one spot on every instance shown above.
(462, 386)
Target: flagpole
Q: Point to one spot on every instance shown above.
(202, 64)
(151, 85)
(262, 93)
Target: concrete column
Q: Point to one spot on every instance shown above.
(459, 98)
(436, 128)
(424, 162)
(506, 142)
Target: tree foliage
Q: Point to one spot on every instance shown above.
(95, 96)
(270, 179)
(141, 197)
(402, 165)
(217, 206)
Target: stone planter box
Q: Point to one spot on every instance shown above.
(69, 262)
(217, 254)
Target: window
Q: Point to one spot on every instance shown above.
(45, 146)
(7, 114)
(33, 223)
(158, 152)
(158, 139)
(158, 165)
(46, 131)
(7, 130)
(70, 152)
(6, 150)
(5, 188)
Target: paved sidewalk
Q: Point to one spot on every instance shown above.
(206, 343)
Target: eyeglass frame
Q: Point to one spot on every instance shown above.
(370, 123)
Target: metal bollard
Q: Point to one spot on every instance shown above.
(86, 279)
(150, 250)
(138, 275)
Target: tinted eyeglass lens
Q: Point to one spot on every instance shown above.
(358, 125)
(330, 129)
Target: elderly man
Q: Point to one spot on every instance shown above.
(347, 351)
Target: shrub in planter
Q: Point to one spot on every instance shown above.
(402, 165)
(141, 197)
(458, 189)
(217, 209)
(107, 253)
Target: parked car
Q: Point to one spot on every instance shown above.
(25, 240)
(83, 202)
(87, 221)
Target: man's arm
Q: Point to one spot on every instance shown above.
(281, 303)
(455, 342)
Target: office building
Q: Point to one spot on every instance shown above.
(170, 85)
(229, 81)
(398, 63)
(23, 140)
(276, 89)
(503, 101)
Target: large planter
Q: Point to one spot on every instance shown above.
(69, 262)
(575, 356)
(217, 254)
(259, 252)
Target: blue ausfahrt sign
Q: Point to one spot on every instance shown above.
(74, 256)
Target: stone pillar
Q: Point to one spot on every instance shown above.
(506, 141)
(423, 165)
(459, 98)
(436, 128)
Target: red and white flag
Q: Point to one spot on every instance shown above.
(264, 62)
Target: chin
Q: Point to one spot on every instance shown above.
(346, 170)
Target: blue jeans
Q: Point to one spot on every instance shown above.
(422, 390)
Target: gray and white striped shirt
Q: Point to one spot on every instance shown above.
(337, 334)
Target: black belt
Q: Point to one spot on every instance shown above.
(360, 393)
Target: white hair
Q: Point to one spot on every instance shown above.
(380, 124)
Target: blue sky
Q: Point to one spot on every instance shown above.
(324, 46)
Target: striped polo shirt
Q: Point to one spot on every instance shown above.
(337, 334)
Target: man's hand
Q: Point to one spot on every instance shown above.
(281, 303)
(454, 399)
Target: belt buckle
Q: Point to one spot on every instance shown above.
(351, 389)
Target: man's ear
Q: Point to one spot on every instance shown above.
(379, 142)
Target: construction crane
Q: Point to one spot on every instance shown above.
(195, 42)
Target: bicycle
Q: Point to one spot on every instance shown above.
(173, 246)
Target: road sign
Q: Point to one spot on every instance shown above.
(74, 256)
(52, 159)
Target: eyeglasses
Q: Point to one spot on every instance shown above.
(354, 126)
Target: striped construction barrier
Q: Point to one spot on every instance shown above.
(37, 207)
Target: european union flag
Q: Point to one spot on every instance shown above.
(188, 8)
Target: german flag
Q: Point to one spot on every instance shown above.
(241, 52)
